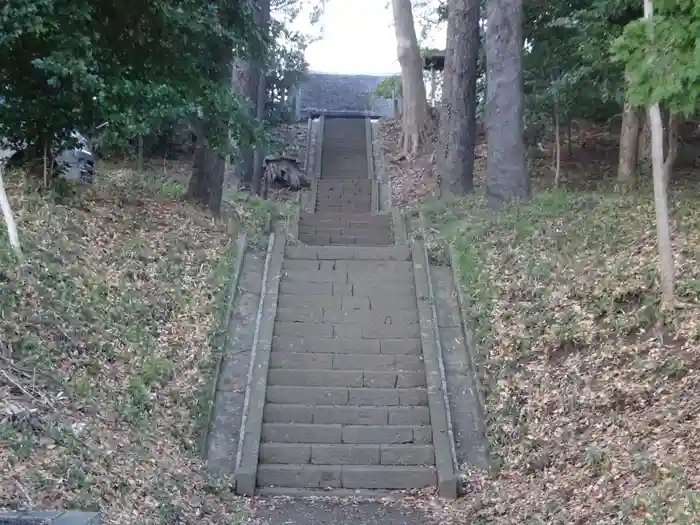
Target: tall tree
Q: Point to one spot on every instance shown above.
(69, 64)
(660, 54)
(248, 79)
(415, 110)
(506, 173)
(213, 133)
(458, 122)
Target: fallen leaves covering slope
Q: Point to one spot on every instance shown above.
(593, 396)
(106, 348)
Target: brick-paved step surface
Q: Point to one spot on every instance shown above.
(344, 151)
(347, 454)
(344, 196)
(342, 254)
(346, 476)
(345, 229)
(346, 400)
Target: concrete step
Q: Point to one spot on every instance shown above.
(347, 378)
(345, 219)
(322, 395)
(330, 315)
(346, 415)
(346, 454)
(346, 434)
(345, 361)
(317, 345)
(344, 206)
(366, 253)
(375, 329)
(355, 268)
(346, 476)
(344, 229)
(316, 238)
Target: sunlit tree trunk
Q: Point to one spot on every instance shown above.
(10, 223)
(659, 173)
(415, 104)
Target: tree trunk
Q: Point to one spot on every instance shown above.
(245, 79)
(415, 109)
(458, 121)
(672, 147)
(660, 168)
(9, 218)
(644, 141)
(139, 154)
(557, 148)
(208, 173)
(506, 173)
(263, 20)
(629, 142)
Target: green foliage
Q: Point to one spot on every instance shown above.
(287, 67)
(564, 64)
(389, 87)
(662, 56)
(71, 64)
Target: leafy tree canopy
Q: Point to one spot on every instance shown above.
(69, 64)
(662, 57)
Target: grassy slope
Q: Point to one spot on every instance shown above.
(107, 339)
(593, 396)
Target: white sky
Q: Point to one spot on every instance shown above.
(357, 37)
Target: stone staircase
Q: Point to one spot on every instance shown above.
(346, 396)
(350, 389)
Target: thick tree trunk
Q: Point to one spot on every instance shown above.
(207, 181)
(458, 121)
(629, 141)
(506, 173)
(415, 109)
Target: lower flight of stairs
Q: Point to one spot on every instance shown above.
(346, 401)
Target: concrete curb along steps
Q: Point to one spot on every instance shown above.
(241, 247)
(251, 425)
(470, 349)
(60, 517)
(440, 420)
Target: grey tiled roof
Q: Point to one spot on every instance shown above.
(340, 93)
